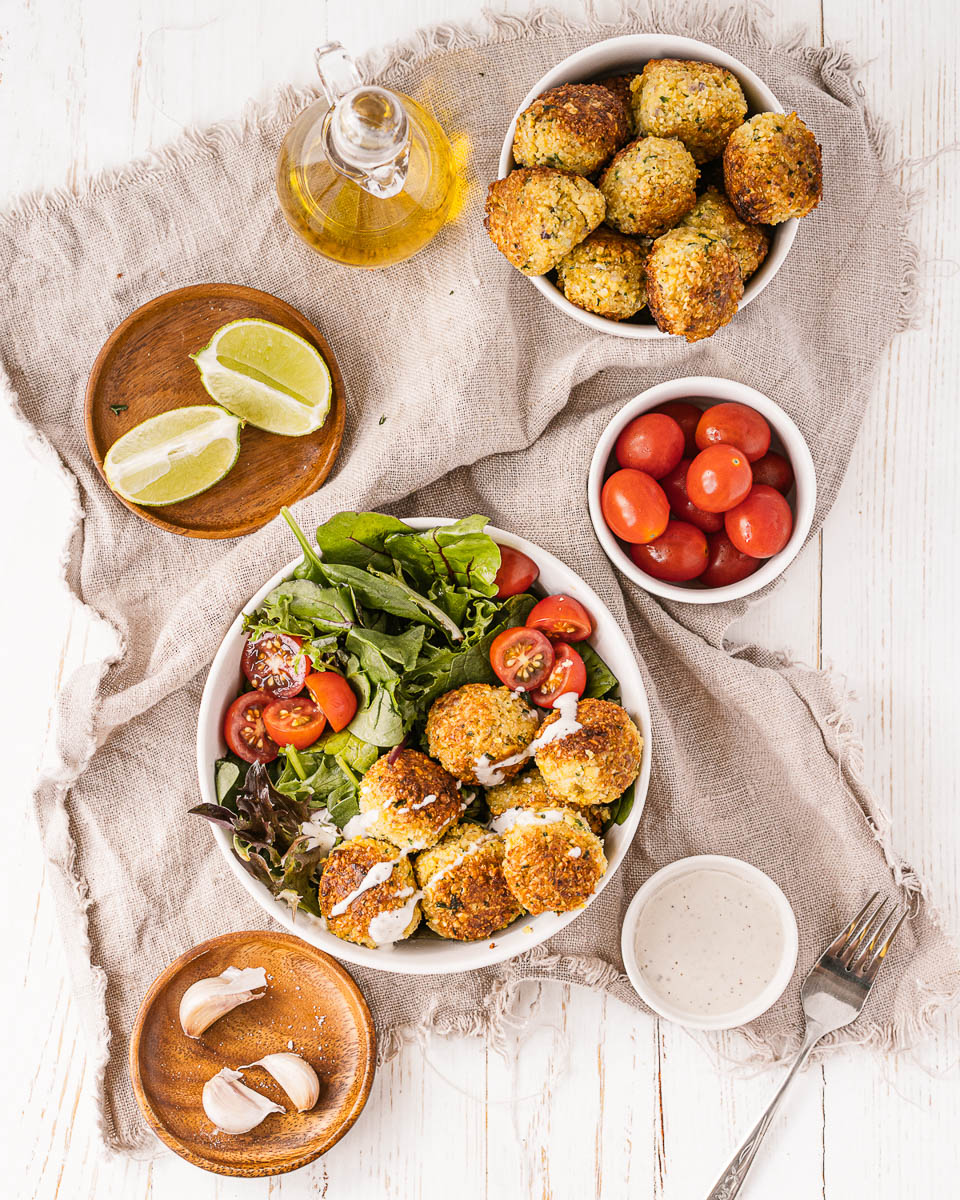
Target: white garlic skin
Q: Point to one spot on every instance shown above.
(295, 1075)
(209, 999)
(232, 1106)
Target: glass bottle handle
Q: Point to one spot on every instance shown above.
(337, 70)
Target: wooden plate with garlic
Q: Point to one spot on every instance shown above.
(252, 1054)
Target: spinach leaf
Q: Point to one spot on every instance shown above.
(302, 607)
(227, 774)
(461, 555)
(600, 679)
(374, 589)
(380, 721)
(624, 805)
(357, 539)
(377, 651)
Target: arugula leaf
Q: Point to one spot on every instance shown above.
(460, 555)
(357, 539)
(600, 679)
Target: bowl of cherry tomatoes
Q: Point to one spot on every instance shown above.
(702, 490)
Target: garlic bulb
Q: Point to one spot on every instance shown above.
(295, 1075)
(232, 1106)
(208, 999)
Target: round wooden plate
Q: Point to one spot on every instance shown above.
(310, 1002)
(145, 365)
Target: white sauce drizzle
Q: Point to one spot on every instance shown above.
(360, 824)
(490, 773)
(525, 816)
(389, 927)
(575, 852)
(322, 832)
(379, 873)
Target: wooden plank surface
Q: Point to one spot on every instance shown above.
(598, 1101)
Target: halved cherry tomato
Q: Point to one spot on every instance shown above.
(334, 696)
(568, 675)
(774, 470)
(760, 525)
(734, 424)
(634, 506)
(297, 722)
(683, 508)
(718, 478)
(521, 658)
(678, 555)
(517, 572)
(561, 617)
(274, 663)
(652, 442)
(725, 563)
(687, 416)
(245, 731)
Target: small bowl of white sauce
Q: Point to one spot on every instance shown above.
(710, 942)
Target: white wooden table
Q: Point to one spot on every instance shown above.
(638, 1108)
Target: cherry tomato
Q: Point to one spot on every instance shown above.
(725, 563)
(568, 675)
(245, 731)
(517, 572)
(734, 425)
(634, 506)
(521, 658)
(274, 663)
(718, 478)
(760, 525)
(676, 556)
(683, 508)
(652, 442)
(334, 696)
(561, 617)
(297, 722)
(687, 416)
(774, 470)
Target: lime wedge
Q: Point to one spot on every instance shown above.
(267, 375)
(173, 456)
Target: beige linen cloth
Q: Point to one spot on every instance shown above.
(492, 403)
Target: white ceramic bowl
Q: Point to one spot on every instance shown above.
(774, 989)
(787, 439)
(428, 956)
(619, 56)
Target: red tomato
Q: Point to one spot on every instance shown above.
(734, 425)
(760, 525)
(517, 572)
(561, 617)
(521, 658)
(634, 506)
(683, 508)
(245, 731)
(297, 722)
(274, 663)
(774, 470)
(334, 696)
(677, 555)
(725, 563)
(652, 442)
(568, 675)
(687, 416)
(718, 478)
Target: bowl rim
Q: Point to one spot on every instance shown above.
(716, 388)
(774, 989)
(472, 956)
(663, 45)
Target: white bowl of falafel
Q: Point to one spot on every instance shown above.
(651, 186)
(485, 891)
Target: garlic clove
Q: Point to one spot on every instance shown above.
(295, 1075)
(232, 1106)
(209, 999)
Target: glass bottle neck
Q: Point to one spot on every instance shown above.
(366, 136)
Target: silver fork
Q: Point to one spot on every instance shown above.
(833, 995)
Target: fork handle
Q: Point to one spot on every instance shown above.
(731, 1180)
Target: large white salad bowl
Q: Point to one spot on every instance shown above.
(430, 956)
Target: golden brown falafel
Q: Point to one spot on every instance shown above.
(597, 762)
(693, 283)
(649, 186)
(772, 169)
(413, 798)
(604, 274)
(552, 862)
(620, 86)
(465, 893)
(697, 102)
(476, 720)
(365, 879)
(529, 791)
(716, 215)
(575, 127)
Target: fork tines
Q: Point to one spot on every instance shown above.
(863, 944)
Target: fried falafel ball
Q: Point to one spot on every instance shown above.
(551, 860)
(649, 186)
(697, 102)
(536, 215)
(413, 799)
(715, 214)
(465, 893)
(597, 762)
(476, 720)
(576, 127)
(380, 913)
(604, 274)
(772, 169)
(529, 791)
(620, 86)
(693, 283)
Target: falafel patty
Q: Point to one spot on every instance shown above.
(368, 893)
(465, 893)
(715, 214)
(551, 860)
(476, 720)
(413, 798)
(536, 215)
(694, 283)
(697, 102)
(772, 169)
(604, 274)
(576, 127)
(620, 86)
(597, 762)
(649, 186)
(529, 791)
